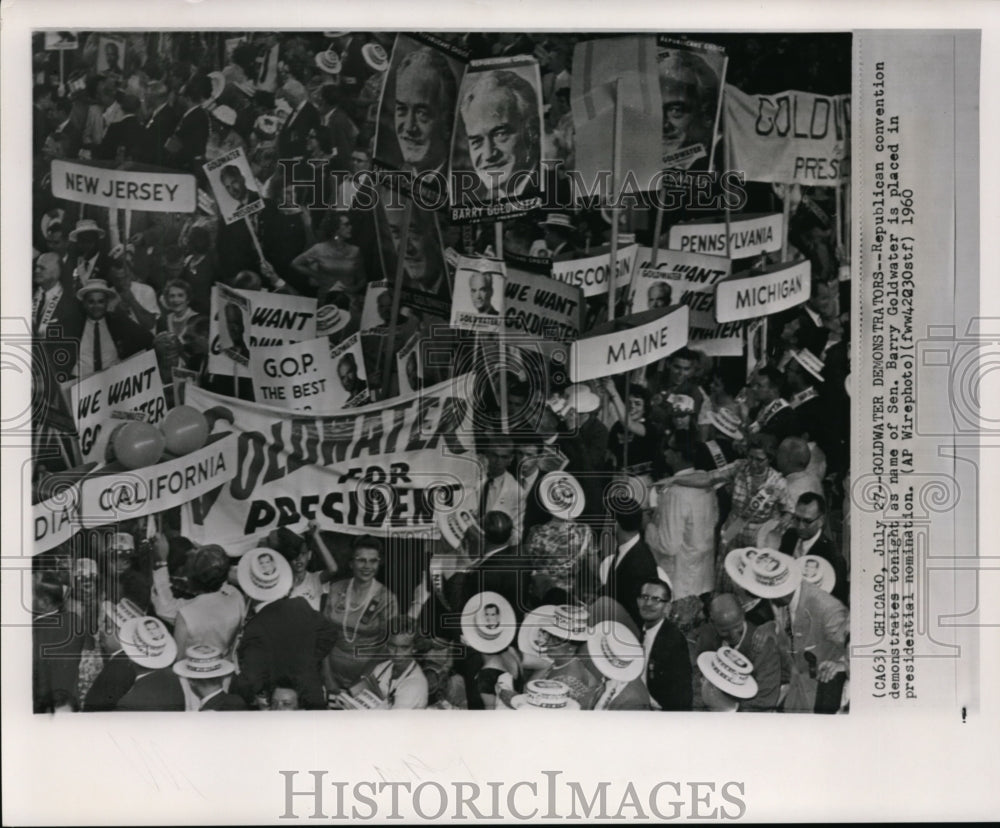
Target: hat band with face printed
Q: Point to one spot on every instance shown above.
(612, 658)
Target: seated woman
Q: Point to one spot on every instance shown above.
(361, 607)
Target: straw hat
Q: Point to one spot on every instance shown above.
(730, 671)
(545, 694)
(582, 399)
(375, 57)
(218, 84)
(812, 363)
(328, 61)
(561, 495)
(85, 226)
(122, 542)
(727, 421)
(486, 633)
(765, 573)
(567, 622)
(558, 220)
(203, 661)
(94, 286)
(264, 575)
(225, 114)
(147, 642)
(817, 571)
(616, 651)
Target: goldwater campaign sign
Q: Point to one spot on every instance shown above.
(541, 307)
(131, 386)
(750, 295)
(378, 469)
(790, 137)
(298, 376)
(156, 192)
(592, 274)
(690, 279)
(275, 318)
(748, 236)
(628, 343)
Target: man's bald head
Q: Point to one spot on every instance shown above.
(727, 617)
(46, 271)
(793, 455)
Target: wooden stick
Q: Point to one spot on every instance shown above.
(385, 361)
(727, 162)
(786, 214)
(616, 160)
(501, 336)
(253, 236)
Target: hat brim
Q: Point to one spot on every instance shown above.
(817, 375)
(761, 591)
(375, 63)
(281, 587)
(619, 632)
(75, 233)
(226, 668)
(320, 64)
(725, 428)
(584, 402)
(530, 625)
(508, 623)
(96, 289)
(559, 632)
(571, 512)
(138, 655)
(746, 691)
(520, 702)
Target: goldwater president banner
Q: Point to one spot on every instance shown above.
(790, 138)
(380, 469)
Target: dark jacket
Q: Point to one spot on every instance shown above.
(56, 648)
(823, 548)
(159, 690)
(668, 669)
(625, 580)
(285, 638)
(111, 684)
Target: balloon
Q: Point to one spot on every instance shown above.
(185, 429)
(138, 445)
(109, 449)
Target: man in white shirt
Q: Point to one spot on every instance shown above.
(499, 491)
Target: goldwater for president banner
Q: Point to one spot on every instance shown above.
(380, 469)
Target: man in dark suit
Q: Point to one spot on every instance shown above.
(806, 537)
(116, 677)
(304, 118)
(106, 339)
(125, 139)
(633, 565)
(774, 415)
(283, 636)
(529, 475)
(160, 126)
(186, 146)
(668, 661)
(501, 568)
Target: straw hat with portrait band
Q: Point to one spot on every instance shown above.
(545, 694)
(727, 421)
(479, 635)
(560, 220)
(730, 671)
(616, 651)
(817, 571)
(582, 399)
(203, 661)
(225, 115)
(147, 642)
(765, 573)
(260, 584)
(85, 226)
(561, 495)
(810, 362)
(541, 618)
(376, 58)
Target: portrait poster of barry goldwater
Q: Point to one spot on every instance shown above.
(688, 416)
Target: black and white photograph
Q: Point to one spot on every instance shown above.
(731, 460)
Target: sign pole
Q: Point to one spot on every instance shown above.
(253, 236)
(786, 214)
(501, 336)
(616, 161)
(385, 360)
(728, 164)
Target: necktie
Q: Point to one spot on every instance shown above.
(40, 310)
(788, 629)
(482, 501)
(98, 365)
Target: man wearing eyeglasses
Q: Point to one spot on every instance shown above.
(668, 662)
(806, 537)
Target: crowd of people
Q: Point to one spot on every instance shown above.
(671, 539)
